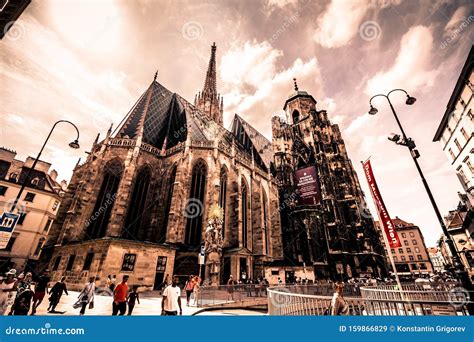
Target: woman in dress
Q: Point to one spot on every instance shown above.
(86, 296)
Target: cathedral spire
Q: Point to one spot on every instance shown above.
(208, 100)
(210, 88)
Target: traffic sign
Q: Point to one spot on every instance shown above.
(8, 223)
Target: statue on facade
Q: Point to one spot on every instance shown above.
(213, 243)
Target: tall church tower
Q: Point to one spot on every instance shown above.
(208, 101)
(325, 225)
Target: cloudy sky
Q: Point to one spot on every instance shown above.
(88, 61)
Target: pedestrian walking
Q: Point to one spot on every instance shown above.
(23, 302)
(132, 297)
(230, 288)
(197, 290)
(172, 299)
(189, 288)
(113, 281)
(339, 305)
(119, 305)
(56, 293)
(8, 288)
(41, 289)
(86, 297)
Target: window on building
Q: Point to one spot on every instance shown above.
(55, 205)
(417, 250)
(161, 264)
(405, 242)
(400, 250)
(275, 272)
(3, 190)
(105, 200)
(10, 244)
(21, 219)
(404, 235)
(70, 262)
(422, 266)
(412, 234)
(244, 214)
(414, 266)
(128, 263)
(196, 201)
(88, 261)
(408, 250)
(464, 133)
(470, 166)
(137, 220)
(395, 258)
(411, 257)
(223, 196)
(414, 242)
(13, 177)
(419, 257)
(29, 197)
(48, 224)
(265, 223)
(451, 153)
(458, 145)
(39, 246)
(57, 261)
(393, 251)
(403, 258)
(170, 190)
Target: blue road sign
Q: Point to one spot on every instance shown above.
(8, 223)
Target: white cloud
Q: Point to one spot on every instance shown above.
(340, 23)
(411, 69)
(454, 23)
(256, 88)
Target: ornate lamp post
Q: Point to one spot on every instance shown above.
(403, 140)
(74, 144)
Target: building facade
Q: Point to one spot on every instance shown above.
(325, 223)
(412, 257)
(37, 208)
(456, 132)
(437, 259)
(138, 205)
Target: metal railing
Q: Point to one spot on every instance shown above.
(368, 300)
(211, 295)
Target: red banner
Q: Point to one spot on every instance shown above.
(385, 220)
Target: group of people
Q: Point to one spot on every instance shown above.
(192, 288)
(20, 294)
(123, 299)
(251, 286)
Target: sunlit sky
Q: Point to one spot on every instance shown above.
(88, 61)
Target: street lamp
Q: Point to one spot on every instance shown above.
(461, 272)
(73, 144)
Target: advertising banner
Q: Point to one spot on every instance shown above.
(307, 185)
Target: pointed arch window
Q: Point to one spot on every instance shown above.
(195, 205)
(99, 219)
(136, 223)
(223, 197)
(296, 116)
(265, 221)
(170, 188)
(244, 214)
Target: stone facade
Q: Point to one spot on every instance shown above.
(335, 233)
(147, 187)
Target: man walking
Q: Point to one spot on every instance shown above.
(172, 299)
(120, 297)
(41, 288)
